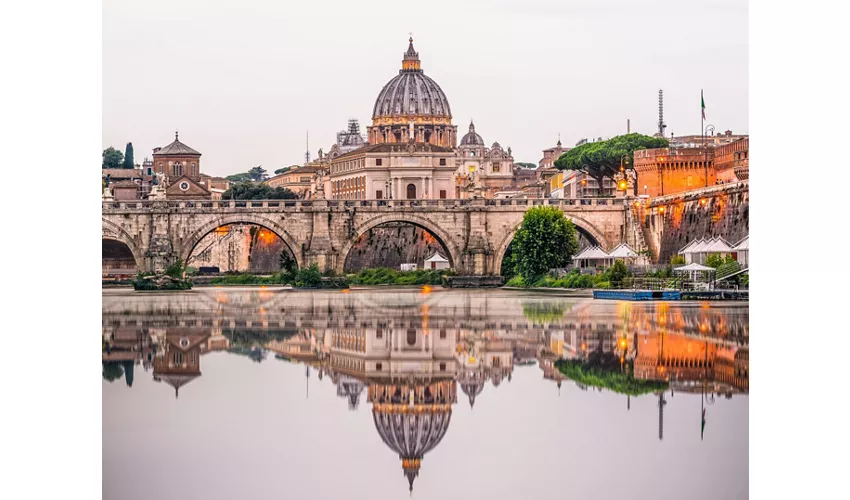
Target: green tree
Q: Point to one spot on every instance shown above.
(240, 177)
(522, 164)
(247, 190)
(715, 260)
(258, 174)
(128, 156)
(618, 271)
(112, 371)
(546, 239)
(112, 158)
(602, 159)
(284, 169)
(677, 260)
(287, 262)
(308, 276)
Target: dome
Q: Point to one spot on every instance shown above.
(472, 384)
(471, 138)
(411, 432)
(411, 92)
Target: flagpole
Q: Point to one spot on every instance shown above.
(702, 128)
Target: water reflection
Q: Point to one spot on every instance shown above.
(409, 351)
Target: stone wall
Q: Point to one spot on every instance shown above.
(674, 221)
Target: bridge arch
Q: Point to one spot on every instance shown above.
(197, 235)
(439, 234)
(112, 231)
(593, 234)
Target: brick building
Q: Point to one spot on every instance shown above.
(663, 171)
(732, 161)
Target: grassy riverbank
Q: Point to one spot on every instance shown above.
(572, 279)
(387, 276)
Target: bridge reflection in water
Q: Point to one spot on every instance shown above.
(408, 351)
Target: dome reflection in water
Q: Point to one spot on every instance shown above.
(255, 378)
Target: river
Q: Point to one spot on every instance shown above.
(451, 394)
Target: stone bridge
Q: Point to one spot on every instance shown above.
(475, 234)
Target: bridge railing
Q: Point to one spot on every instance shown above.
(295, 204)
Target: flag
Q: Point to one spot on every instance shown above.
(702, 98)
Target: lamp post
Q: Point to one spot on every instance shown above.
(705, 150)
(661, 161)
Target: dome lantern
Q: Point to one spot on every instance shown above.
(411, 59)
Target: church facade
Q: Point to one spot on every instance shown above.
(412, 150)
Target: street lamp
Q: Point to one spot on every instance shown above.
(661, 161)
(705, 150)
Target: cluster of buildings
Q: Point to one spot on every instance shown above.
(413, 150)
(174, 173)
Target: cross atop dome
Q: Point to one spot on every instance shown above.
(411, 58)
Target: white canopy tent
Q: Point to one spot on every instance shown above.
(688, 250)
(697, 272)
(718, 245)
(592, 257)
(623, 252)
(699, 252)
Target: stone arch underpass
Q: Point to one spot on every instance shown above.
(443, 238)
(196, 235)
(593, 234)
(110, 231)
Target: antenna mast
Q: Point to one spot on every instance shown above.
(661, 124)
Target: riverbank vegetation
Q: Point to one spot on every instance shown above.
(603, 370)
(387, 276)
(613, 276)
(306, 277)
(174, 278)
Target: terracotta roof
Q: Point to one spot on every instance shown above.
(123, 184)
(176, 148)
(121, 173)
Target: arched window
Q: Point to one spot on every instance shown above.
(177, 168)
(411, 337)
(411, 191)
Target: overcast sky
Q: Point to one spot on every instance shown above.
(244, 81)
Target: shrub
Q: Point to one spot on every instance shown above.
(516, 281)
(308, 276)
(677, 260)
(618, 271)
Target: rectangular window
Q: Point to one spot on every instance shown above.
(442, 367)
(495, 167)
(379, 333)
(442, 194)
(378, 366)
(379, 194)
(442, 162)
(442, 333)
(378, 162)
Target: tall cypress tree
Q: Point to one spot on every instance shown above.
(128, 156)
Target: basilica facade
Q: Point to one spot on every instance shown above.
(412, 150)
